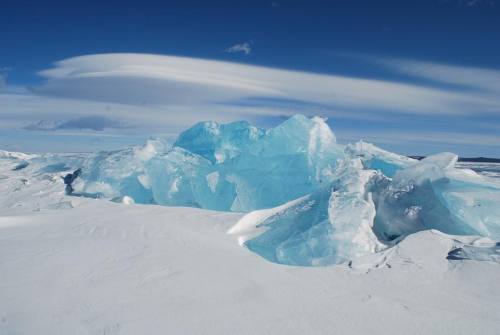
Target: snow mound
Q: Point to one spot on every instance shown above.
(309, 200)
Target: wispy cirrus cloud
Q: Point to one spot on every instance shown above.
(245, 48)
(475, 78)
(470, 3)
(92, 122)
(475, 3)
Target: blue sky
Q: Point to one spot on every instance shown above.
(415, 77)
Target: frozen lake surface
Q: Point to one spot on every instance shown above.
(486, 169)
(279, 231)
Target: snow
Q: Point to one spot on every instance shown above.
(107, 268)
(360, 240)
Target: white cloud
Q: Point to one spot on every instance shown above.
(479, 79)
(168, 94)
(241, 47)
(91, 122)
(21, 110)
(151, 80)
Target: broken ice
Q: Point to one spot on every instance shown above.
(310, 201)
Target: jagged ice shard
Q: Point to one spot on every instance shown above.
(309, 200)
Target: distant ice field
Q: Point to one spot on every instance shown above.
(486, 169)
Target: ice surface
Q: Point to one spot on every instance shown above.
(377, 159)
(119, 173)
(432, 194)
(327, 227)
(487, 169)
(233, 167)
(217, 142)
(477, 253)
(310, 201)
(14, 155)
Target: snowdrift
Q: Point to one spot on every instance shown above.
(310, 201)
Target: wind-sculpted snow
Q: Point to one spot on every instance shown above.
(309, 200)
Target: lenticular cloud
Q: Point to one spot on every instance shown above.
(309, 200)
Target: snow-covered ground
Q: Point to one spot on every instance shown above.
(72, 265)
